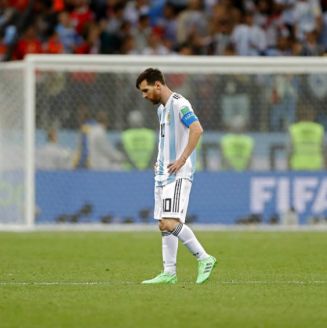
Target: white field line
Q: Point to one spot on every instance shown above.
(139, 227)
(117, 283)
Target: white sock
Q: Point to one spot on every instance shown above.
(169, 252)
(186, 235)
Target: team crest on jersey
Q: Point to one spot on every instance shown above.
(168, 117)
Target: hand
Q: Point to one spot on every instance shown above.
(174, 167)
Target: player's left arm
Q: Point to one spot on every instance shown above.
(195, 133)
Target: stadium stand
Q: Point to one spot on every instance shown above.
(203, 27)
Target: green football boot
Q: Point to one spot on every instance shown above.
(205, 269)
(162, 278)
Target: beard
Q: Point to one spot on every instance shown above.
(155, 101)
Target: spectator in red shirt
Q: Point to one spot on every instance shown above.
(28, 44)
(3, 49)
(81, 16)
(58, 5)
(54, 45)
(20, 5)
(91, 45)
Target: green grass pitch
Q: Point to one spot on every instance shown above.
(92, 279)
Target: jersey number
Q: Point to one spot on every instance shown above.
(167, 205)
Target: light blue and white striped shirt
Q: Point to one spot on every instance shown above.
(175, 118)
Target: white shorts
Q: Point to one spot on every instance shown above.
(171, 200)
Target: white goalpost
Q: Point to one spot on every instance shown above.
(15, 152)
(45, 90)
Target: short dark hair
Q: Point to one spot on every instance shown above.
(151, 75)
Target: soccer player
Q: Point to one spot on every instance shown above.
(180, 131)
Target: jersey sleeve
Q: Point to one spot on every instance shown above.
(187, 114)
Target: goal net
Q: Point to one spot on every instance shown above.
(12, 144)
(46, 101)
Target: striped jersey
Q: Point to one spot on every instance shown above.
(175, 118)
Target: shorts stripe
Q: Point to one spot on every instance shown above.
(177, 195)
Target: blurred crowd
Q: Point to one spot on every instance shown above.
(163, 27)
